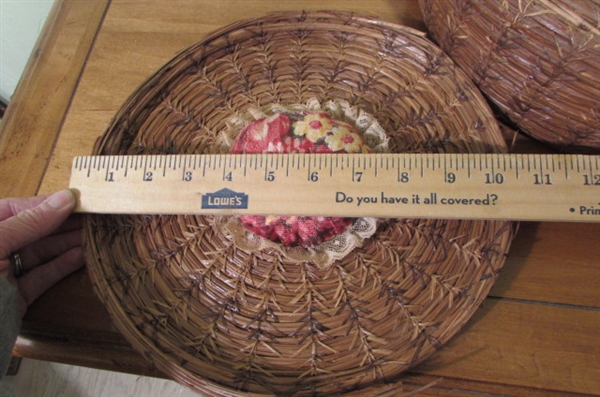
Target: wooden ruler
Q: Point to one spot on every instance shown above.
(460, 186)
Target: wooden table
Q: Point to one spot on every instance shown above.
(538, 333)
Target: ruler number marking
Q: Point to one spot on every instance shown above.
(591, 180)
(494, 178)
(449, 176)
(144, 174)
(109, 176)
(357, 176)
(403, 176)
(269, 176)
(542, 179)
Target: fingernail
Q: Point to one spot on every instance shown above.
(61, 199)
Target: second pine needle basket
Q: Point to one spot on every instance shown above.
(232, 322)
(537, 60)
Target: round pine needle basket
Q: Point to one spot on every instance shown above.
(537, 60)
(227, 321)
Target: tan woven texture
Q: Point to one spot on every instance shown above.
(230, 322)
(539, 61)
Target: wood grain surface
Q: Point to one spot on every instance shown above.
(37, 109)
(538, 334)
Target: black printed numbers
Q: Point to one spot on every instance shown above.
(403, 177)
(494, 178)
(541, 179)
(591, 180)
(187, 176)
(313, 176)
(450, 177)
(148, 176)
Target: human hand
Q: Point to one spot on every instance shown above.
(40, 233)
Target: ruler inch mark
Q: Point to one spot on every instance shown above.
(106, 174)
(331, 166)
(204, 165)
(287, 166)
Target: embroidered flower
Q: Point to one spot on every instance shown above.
(306, 132)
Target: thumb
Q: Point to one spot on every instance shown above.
(34, 223)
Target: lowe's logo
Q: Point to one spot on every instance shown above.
(225, 198)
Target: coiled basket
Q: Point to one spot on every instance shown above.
(537, 60)
(232, 322)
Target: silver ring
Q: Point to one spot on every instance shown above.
(17, 265)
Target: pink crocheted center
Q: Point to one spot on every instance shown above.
(302, 132)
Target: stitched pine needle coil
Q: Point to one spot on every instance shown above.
(226, 321)
(538, 61)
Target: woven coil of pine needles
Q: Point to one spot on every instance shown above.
(537, 60)
(229, 322)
